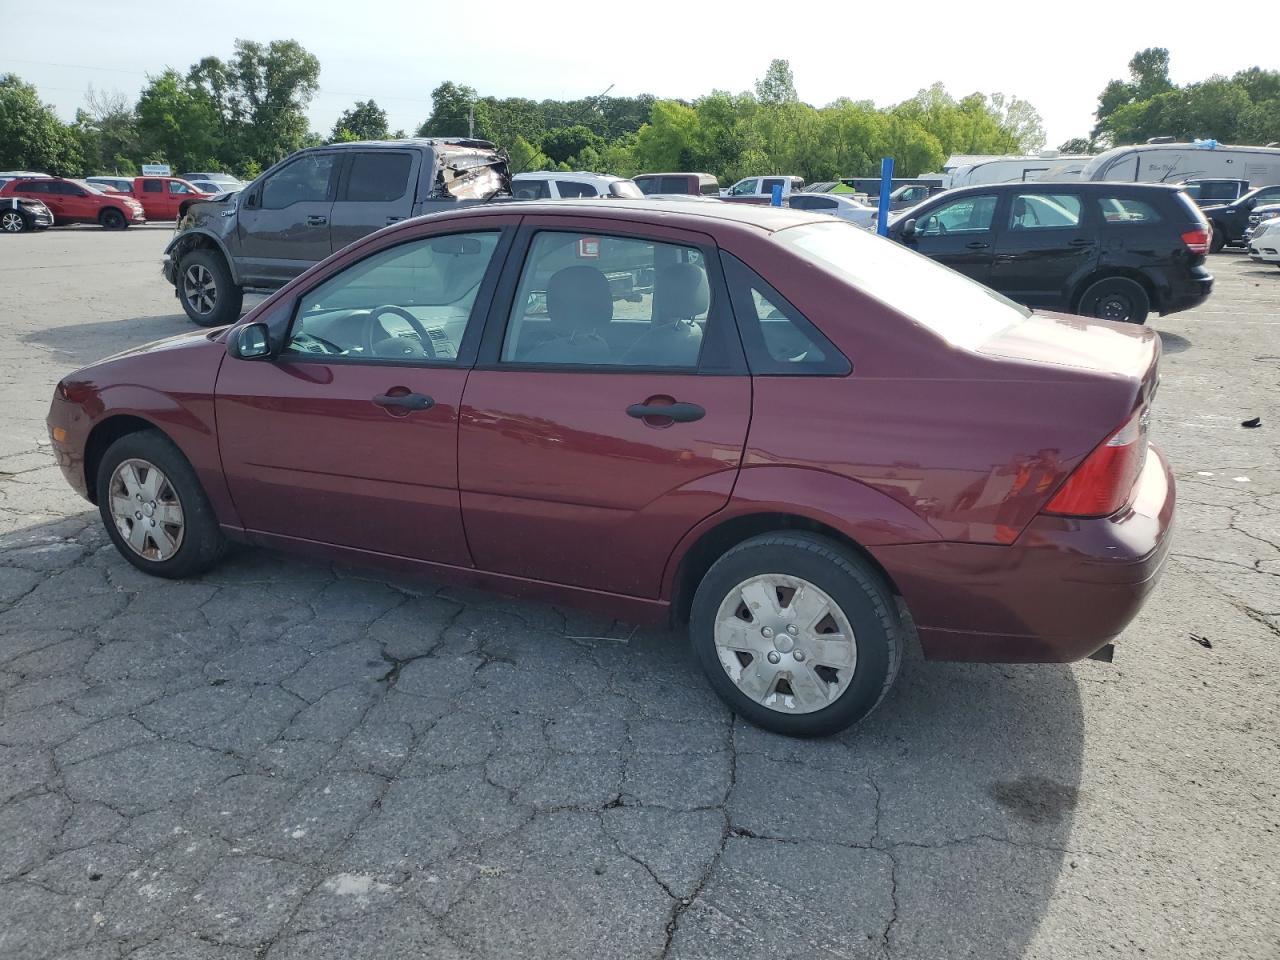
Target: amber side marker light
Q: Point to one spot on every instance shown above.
(59, 434)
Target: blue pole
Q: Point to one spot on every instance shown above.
(886, 187)
(776, 199)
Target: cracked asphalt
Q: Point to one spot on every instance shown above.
(289, 760)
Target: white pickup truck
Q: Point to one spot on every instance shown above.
(760, 189)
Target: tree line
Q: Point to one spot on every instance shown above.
(247, 111)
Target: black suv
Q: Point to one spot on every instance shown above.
(1110, 250)
(1231, 220)
(315, 202)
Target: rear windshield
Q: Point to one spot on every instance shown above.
(625, 189)
(959, 310)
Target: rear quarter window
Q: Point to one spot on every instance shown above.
(1126, 210)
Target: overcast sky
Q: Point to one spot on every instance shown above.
(1058, 56)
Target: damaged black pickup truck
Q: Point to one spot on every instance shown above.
(315, 202)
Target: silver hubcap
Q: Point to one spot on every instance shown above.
(199, 289)
(785, 644)
(12, 222)
(146, 510)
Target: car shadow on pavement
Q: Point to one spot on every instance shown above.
(82, 343)
(293, 727)
(1172, 342)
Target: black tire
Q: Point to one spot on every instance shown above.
(203, 274)
(1116, 298)
(13, 221)
(858, 590)
(201, 544)
(113, 219)
(1217, 237)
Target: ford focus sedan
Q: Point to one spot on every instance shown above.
(808, 444)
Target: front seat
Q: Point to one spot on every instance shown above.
(680, 293)
(1020, 210)
(579, 307)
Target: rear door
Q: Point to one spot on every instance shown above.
(39, 190)
(1047, 240)
(960, 233)
(569, 470)
(376, 190)
(283, 220)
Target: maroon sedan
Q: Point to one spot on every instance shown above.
(771, 425)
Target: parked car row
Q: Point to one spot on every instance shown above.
(75, 201)
(162, 198)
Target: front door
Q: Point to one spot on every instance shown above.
(349, 435)
(1047, 241)
(609, 409)
(959, 234)
(283, 220)
(154, 199)
(377, 189)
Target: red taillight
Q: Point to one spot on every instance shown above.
(1197, 240)
(1102, 482)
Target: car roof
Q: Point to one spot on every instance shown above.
(691, 216)
(583, 176)
(675, 173)
(1083, 186)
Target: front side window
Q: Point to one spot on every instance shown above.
(1044, 211)
(591, 300)
(306, 180)
(964, 215)
(569, 189)
(744, 189)
(378, 177)
(409, 303)
(778, 339)
(530, 189)
(178, 188)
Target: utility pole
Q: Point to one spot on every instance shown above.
(471, 120)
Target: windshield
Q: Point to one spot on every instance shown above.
(959, 310)
(626, 189)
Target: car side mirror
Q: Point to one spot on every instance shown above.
(909, 228)
(250, 342)
(251, 200)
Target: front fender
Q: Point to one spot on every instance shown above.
(865, 515)
(197, 237)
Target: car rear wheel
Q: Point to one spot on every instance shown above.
(154, 508)
(112, 219)
(796, 634)
(209, 296)
(1217, 238)
(1118, 299)
(13, 221)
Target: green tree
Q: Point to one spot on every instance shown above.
(777, 85)
(178, 122)
(1020, 120)
(365, 121)
(31, 135)
(1077, 145)
(107, 128)
(564, 143)
(451, 106)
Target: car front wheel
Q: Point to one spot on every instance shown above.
(112, 219)
(796, 634)
(12, 221)
(209, 296)
(154, 508)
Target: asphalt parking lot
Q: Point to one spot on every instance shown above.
(289, 760)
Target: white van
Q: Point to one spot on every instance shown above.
(1017, 169)
(1175, 162)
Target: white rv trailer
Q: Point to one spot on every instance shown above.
(1175, 162)
(1013, 169)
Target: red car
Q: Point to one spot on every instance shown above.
(162, 198)
(771, 425)
(73, 201)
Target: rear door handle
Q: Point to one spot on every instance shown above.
(977, 245)
(1081, 242)
(316, 221)
(408, 401)
(680, 412)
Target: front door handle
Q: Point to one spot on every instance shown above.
(1081, 242)
(316, 221)
(680, 412)
(391, 220)
(977, 245)
(406, 401)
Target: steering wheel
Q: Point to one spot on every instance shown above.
(428, 350)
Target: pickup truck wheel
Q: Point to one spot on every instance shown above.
(208, 294)
(1116, 298)
(1217, 238)
(796, 634)
(112, 219)
(13, 221)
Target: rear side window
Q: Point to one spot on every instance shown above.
(152, 186)
(530, 190)
(570, 189)
(378, 177)
(778, 339)
(1044, 211)
(709, 188)
(1127, 210)
(31, 186)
